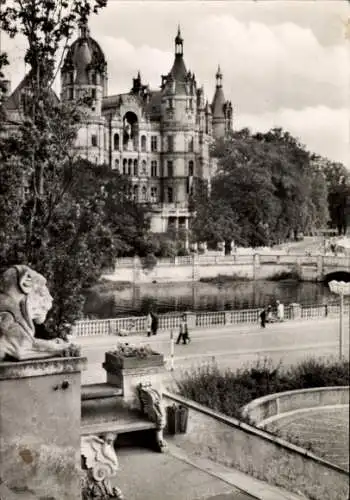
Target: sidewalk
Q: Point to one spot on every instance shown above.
(174, 475)
(238, 329)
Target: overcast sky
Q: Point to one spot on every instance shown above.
(284, 63)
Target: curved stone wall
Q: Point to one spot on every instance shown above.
(276, 405)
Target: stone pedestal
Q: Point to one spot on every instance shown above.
(128, 378)
(40, 428)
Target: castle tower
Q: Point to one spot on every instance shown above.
(221, 110)
(84, 76)
(180, 133)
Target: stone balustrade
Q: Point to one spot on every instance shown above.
(134, 325)
(268, 408)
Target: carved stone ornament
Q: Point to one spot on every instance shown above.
(100, 463)
(152, 406)
(24, 301)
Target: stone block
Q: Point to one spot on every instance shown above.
(128, 379)
(40, 427)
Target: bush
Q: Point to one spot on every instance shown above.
(227, 391)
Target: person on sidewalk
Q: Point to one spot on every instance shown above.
(154, 324)
(149, 324)
(183, 333)
(263, 318)
(280, 310)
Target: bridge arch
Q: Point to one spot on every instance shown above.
(339, 275)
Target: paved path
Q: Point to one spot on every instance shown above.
(176, 475)
(231, 347)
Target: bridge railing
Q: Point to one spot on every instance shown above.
(244, 258)
(133, 325)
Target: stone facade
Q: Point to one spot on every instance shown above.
(158, 138)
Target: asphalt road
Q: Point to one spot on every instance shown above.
(231, 347)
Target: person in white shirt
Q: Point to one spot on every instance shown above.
(280, 311)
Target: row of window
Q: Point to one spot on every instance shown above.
(154, 143)
(131, 167)
(142, 194)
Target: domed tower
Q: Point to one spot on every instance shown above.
(221, 110)
(84, 75)
(84, 71)
(179, 133)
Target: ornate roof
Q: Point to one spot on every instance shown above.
(13, 102)
(86, 53)
(219, 98)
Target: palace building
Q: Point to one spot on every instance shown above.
(158, 138)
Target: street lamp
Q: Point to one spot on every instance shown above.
(341, 288)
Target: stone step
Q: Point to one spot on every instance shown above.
(99, 391)
(99, 416)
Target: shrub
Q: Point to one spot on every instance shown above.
(227, 391)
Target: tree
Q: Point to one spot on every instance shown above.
(265, 180)
(337, 179)
(60, 214)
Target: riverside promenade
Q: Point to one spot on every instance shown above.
(231, 346)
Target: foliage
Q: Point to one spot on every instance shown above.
(337, 179)
(60, 214)
(265, 191)
(227, 392)
(149, 262)
(126, 350)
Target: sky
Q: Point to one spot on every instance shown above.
(284, 63)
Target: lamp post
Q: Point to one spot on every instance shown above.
(340, 288)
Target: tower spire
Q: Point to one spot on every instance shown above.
(178, 42)
(84, 29)
(218, 77)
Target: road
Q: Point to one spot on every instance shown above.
(231, 347)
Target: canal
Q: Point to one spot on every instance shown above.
(116, 299)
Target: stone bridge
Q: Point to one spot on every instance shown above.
(251, 266)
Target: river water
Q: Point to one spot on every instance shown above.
(120, 300)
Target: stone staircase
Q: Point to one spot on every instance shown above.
(103, 410)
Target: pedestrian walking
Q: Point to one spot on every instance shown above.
(263, 318)
(149, 324)
(183, 332)
(154, 324)
(280, 310)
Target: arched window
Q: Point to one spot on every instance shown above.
(135, 192)
(116, 142)
(125, 166)
(170, 195)
(116, 164)
(136, 168)
(170, 169)
(190, 168)
(144, 167)
(144, 194)
(154, 168)
(190, 145)
(143, 143)
(154, 194)
(130, 166)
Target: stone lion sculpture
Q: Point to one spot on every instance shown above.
(25, 300)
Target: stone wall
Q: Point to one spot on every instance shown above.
(275, 405)
(40, 428)
(258, 453)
